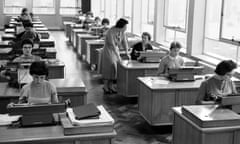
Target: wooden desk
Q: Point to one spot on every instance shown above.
(127, 73)
(44, 34)
(81, 47)
(91, 54)
(185, 131)
(74, 34)
(38, 25)
(37, 22)
(4, 44)
(71, 28)
(50, 42)
(67, 27)
(10, 30)
(8, 37)
(71, 88)
(4, 53)
(156, 99)
(50, 135)
(51, 52)
(56, 70)
(41, 29)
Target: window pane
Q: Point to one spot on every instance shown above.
(231, 20)
(128, 13)
(113, 7)
(171, 35)
(219, 49)
(213, 17)
(43, 3)
(13, 6)
(68, 3)
(175, 13)
(15, 3)
(69, 7)
(43, 10)
(147, 16)
(68, 11)
(102, 8)
(43, 7)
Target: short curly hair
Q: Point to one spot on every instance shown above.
(27, 41)
(38, 68)
(175, 44)
(121, 23)
(225, 66)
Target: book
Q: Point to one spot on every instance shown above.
(86, 111)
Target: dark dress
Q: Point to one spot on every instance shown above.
(138, 47)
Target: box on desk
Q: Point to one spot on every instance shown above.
(72, 126)
(207, 116)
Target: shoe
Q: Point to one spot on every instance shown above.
(106, 91)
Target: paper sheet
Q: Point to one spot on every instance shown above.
(5, 119)
(160, 81)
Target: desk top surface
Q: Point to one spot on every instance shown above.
(87, 35)
(133, 64)
(63, 85)
(44, 134)
(95, 42)
(79, 30)
(162, 83)
(68, 22)
(211, 112)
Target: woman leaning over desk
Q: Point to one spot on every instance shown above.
(219, 84)
(115, 40)
(172, 60)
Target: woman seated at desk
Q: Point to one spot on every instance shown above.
(25, 15)
(172, 60)
(27, 46)
(105, 27)
(219, 84)
(39, 90)
(141, 46)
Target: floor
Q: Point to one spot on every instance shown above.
(130, 126)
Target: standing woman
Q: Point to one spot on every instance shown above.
(115, 40)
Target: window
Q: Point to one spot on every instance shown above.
(231, 20)
(128, 13)
(43, 7)
(219, 31)
(113, 16)
(102, 8)
(175, 18)
(69, 7)
(148, 15)
(13, 6)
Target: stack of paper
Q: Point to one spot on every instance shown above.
(5, 119)
(104, 118)
(73, 126)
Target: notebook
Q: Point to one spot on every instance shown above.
(86, 111)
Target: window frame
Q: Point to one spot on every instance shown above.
(76, 8)
(221, 38)
(46, 13)
(175, 28)
(21, 7)
(148, 13)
